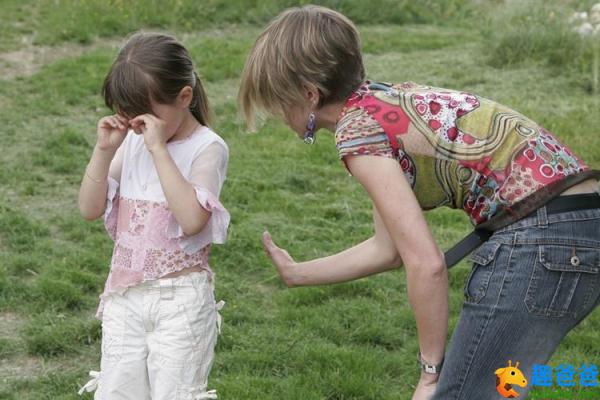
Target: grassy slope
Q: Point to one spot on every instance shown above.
(350, 341)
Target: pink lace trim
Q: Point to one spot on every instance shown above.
(112, 204)
(215, 230)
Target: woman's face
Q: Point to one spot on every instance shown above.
(296, 118)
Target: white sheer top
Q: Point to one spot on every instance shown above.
(149, 243)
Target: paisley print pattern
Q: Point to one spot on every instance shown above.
(457, 149)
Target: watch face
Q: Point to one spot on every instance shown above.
(430, 369)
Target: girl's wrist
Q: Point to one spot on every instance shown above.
(104, 153)
(157, 148)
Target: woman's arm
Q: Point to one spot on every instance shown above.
(427, 276)
(374, 255)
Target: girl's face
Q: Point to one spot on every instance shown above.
(177, 116)
(172, 115)
(169, 114)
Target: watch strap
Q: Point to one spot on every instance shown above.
(429, 368)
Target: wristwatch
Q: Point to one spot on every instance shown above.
(430, 368)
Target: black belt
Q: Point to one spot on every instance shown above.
(557, 205)
(573, 202)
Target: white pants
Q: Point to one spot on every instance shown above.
(158, 341)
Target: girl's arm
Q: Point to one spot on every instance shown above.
(180, 194)
(107, 159)
(427, 276)
(374, 255)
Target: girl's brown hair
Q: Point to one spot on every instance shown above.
(153, 66)
(303, 45)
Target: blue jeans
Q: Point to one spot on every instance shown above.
(531, 283)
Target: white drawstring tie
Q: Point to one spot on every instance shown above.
(209, 395)
(92, 383)
(219, 307)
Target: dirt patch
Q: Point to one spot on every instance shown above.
(28, 367)
(31, 57)
(22, 368)
(20, 365)
(10, 325)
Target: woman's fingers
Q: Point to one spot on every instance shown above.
(268, 244)
(267, 240)
(280, 257)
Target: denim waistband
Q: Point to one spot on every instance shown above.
(540, 218)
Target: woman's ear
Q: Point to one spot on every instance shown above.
(185, 97)
(312, 95)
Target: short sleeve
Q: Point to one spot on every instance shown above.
(111, 209)
(116, 165)
(358, 133)
(207, 176)
(209, 169)
(112, 206)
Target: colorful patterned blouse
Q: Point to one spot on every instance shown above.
(456, 149)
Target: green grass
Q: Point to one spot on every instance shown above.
(349, 341)
(57, 21)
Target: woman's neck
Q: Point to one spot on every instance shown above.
(328, 116)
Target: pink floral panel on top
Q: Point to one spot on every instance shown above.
(149, 243)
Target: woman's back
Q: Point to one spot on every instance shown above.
(455, 148)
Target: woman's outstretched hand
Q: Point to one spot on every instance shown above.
(281, 258)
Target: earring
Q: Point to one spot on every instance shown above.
(309, 135)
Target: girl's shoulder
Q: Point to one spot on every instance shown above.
(202, 138)
(204, 143)
(184, 151)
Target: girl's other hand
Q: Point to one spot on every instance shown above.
(112, 130)
(281, 258)
(153, 129)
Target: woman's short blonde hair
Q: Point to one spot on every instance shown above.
(302, 45)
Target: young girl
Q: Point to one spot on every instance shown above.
(414, 148)
(155, 175)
